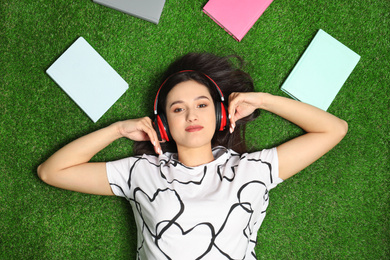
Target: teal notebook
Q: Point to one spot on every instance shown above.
(321, 71)
(87, 78)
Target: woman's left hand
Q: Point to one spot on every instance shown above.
(242, 104)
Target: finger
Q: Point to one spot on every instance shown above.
(232, 122)
(233, 103)
(151, 132)
(231, 106)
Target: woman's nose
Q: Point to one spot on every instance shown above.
(191, 115)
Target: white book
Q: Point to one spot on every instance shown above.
(87, 78)
(321, 71)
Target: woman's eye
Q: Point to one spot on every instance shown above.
(202, 105)
(177, 110)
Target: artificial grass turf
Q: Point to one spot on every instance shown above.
(338, 208)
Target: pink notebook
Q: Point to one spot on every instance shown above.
(236, 16)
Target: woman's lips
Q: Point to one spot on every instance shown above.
(194, 128)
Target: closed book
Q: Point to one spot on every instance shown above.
(87, 78)
(149, 10)
(321, 71)
(236, 16)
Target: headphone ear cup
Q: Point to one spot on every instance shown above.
(224, 117)
(218, 116)
(156, 128)
(221, 116)
(162, 128)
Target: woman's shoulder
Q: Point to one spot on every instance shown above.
(131, 160)
(250, 155)
(263, 153)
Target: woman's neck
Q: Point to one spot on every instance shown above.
(192, 157)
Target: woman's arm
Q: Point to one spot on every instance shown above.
(323, 130)
(69, 168)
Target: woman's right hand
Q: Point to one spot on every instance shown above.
(140, 129)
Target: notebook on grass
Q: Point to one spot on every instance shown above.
(87, 78)
(321, 71)
(149, 10)
(236, 16)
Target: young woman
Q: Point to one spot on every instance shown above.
(195, 192)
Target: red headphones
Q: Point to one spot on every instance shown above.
(160, 121)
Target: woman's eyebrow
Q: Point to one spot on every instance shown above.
(181, 101)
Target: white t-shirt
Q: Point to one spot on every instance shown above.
(212, 211)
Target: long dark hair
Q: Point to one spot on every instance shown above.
(229, 77)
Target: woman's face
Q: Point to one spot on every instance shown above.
(191, 115)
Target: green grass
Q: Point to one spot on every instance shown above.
(338, 208)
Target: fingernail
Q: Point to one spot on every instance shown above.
(230, 116)
(154, 143)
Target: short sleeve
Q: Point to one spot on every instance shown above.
(118, 174)
(269, 160)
